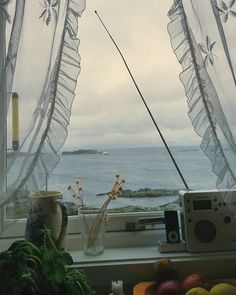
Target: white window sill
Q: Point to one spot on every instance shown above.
(129, 255)
(121, 255)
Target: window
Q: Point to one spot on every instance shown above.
(110, 125)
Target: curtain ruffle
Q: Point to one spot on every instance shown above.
(202, 98)
(38, 152)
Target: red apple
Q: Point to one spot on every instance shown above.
(195, 280)
(171, 287)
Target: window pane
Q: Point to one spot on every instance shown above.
(109, 116)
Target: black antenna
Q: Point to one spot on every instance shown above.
(153, 120)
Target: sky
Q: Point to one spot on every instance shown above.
(108, 111)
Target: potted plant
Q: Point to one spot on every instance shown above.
(39, 269)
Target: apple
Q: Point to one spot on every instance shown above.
(195, 280)
(171, 287)
(164, 270)
(197, 291)
(223, 289)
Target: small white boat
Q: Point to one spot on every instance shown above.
(104, 153)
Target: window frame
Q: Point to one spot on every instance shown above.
(3, 112)
(116, 232)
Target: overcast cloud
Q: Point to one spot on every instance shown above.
(107, 110)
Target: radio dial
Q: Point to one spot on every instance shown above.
(205, 231)
(173, 236)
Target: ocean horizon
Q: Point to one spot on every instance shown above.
(142, 168)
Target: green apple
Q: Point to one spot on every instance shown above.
(197, 291)
(223, 289)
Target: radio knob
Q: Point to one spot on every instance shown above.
(204, 231)
(227, 219)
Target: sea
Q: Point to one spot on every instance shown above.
(141, 168)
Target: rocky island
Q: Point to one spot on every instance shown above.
(81, 152)
(149, 193)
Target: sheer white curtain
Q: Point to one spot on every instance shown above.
(203, 38)
(39, 66)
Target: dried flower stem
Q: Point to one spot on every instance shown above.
(93, 224)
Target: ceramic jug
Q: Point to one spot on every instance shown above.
(47, 210)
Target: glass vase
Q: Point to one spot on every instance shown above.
(93, 224)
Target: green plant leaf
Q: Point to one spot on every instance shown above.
(27, 268)
(25, 246)
(15, 245)
(60, 272)
(48, 264)
(65, 257)
(79, 281)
